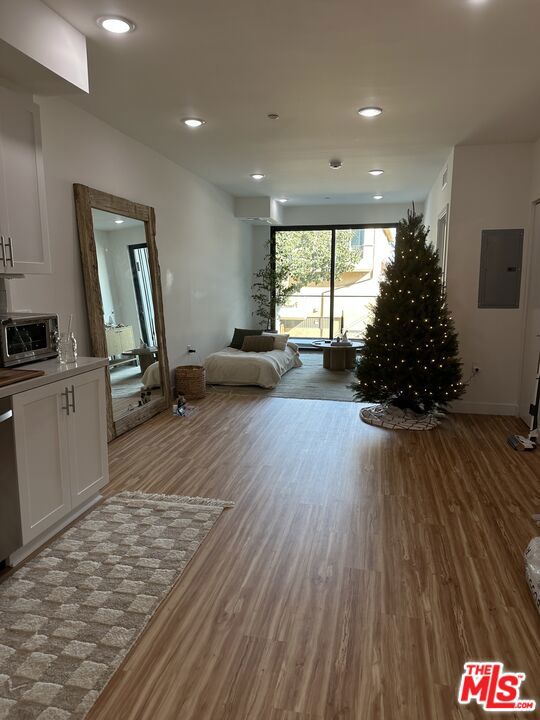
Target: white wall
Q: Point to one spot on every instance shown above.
(491, 189)
(116, 277)
(261, 238)
(205, 253)
(106, 276)
(438, 198)
(41, 35)
(531, 345)
(343, 214)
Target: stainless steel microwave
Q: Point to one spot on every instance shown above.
(26, 337)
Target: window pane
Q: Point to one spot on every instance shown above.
(304, 257)
(305, 316)
(360, 263)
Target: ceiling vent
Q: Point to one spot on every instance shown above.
(259, 210)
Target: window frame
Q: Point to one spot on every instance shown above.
(274, 229)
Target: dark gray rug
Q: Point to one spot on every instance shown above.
(309, 382)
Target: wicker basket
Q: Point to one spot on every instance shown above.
(190, 381)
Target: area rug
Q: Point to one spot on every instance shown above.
(69, 616)
(309, 382)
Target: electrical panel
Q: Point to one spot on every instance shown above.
(500, 268)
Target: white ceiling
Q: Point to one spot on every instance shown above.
(445, 71)
(104, 220)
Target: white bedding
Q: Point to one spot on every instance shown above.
(236, 367)
(152, 377)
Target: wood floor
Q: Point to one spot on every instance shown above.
(358, 571)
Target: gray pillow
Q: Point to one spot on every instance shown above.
(280, 340)
(258, 343)
(239, 335)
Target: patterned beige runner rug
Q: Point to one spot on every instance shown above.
(70, 616)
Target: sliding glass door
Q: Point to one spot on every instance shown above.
(142, 283)
(336, 273)
(307, 256)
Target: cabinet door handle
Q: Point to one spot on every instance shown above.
(3, 249)
(10, 246)
(72, 391)
(65, 394)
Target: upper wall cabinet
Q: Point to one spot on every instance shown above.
(24, 241)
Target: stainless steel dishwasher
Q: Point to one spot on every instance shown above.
(10, 516)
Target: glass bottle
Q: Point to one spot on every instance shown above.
(67, 348)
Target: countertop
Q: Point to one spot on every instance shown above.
(53, 372)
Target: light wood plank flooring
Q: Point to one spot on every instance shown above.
(357, 573)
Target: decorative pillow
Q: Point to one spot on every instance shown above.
(258, 343)
(239, 335)
(280, 341)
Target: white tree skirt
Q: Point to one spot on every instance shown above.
(394, 418)
(532, 569)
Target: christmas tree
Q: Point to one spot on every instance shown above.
(410, 357)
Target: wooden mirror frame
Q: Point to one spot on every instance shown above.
(86, 199)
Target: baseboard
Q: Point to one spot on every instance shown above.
(22, 553)
(484, 408)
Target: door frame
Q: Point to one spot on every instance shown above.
(137, 288)
(443, 256)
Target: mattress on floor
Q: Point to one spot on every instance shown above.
(236, 367)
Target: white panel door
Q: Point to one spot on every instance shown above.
(41, 439)
(24, 217)
(87, 435)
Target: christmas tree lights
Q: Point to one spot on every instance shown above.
(410, 358)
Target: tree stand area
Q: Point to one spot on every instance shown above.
(394, 418)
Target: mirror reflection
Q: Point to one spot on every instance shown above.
(128, 311)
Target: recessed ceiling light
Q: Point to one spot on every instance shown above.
(257, 176)
(335, 164)
(282, 200)
(273, 116)
(377, 197)
(194, 122)
(119, 222)
(376, 172)
(116, 24)
(370, 112)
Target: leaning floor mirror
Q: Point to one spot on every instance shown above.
(125, 308)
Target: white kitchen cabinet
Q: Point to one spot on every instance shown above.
(87, 435)
(24, 240)
(41, 444)
(61, 448)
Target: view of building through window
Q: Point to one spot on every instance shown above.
(336, 273)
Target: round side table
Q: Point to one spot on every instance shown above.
(336, 357)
